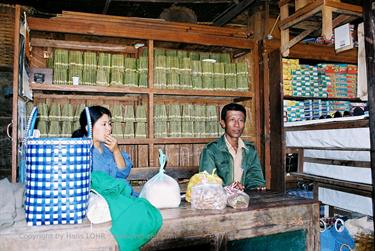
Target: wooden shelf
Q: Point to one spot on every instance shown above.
(174, 140)
(138, 90)
(324, 98)
(309, 11)
(88, 89)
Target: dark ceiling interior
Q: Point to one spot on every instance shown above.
(218, 12)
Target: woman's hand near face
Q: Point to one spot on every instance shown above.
(111, 143)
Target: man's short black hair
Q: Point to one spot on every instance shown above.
(232, 107)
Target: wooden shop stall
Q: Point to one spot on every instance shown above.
(180, 115)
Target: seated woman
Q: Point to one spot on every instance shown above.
(107, 156)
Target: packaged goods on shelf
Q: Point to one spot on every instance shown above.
(230, 76)
(242, 76)
(196, 74)
(131, 74)
(207, 75)
(75, 65)
(160, 71)
(219, 77)
(117, 69)
(129, 113)
(142, 69)
(172, 69)
(129, 129)
(185, 73)
(89, 68)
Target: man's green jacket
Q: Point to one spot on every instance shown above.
(216, 155)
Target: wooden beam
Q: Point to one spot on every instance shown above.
(112, 29)
(300, 3)
(296, 40)
(301, 14)
(342, 19)
(369, 24)
(284, 33)
(344, 7)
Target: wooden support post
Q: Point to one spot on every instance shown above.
(327, 22)
(16, 52)
(284, 13)
(369, 24)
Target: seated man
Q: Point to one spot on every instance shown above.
(235, 161)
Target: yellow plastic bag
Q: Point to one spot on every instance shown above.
(202, 177)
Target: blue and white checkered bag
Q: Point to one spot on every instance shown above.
(57, 177)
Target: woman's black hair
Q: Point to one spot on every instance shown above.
(96, 112)
(232, 107)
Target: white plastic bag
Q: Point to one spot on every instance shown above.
(162, 191)
(98, 209)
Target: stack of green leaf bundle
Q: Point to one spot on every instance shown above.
(196, 74)
(75, 65)
(160, 71)
(60, 67)
(171, 53)
(230, 76)
(219, 77)
(142, 68)
(173, 80)
(131, 74)
(242, 77)
(160, 121)
(185, 73)
(187, 126)
(117, 118)
(199, 121)
(207, 75)
(129, 120)
(215, 56)
(182, 54)
(77, 113)
(194, 55)
(54, 116)
(211, 121)
(174, 118)
(89, 68)
(204, 55)
(104, 69)
(43, 119)
(67, 116)
(117, 70)
(225, 58)
(141, 121)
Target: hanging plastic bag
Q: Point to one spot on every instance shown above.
(202, 177)
(162, 191)
(335, 237)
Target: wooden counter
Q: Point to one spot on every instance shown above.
(267, 214)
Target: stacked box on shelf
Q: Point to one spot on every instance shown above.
(340, 106)
(295, 110)
(316, 108)
(289, 65)
(308, 109)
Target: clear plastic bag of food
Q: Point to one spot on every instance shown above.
(208, 196)
(236, 198)
(202, 177)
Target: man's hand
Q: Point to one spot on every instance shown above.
(238, 185)
(111, 143)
